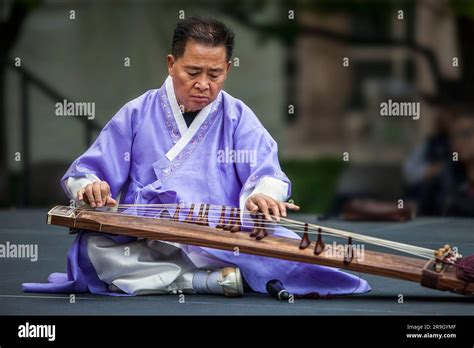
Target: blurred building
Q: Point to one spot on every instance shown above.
(336, 107)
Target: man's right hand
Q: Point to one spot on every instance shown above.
(96, 195)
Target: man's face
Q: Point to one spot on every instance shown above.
(199, 75)
(462, 138)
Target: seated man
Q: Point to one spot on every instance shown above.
(166, 147)
(429, 157)
(451, 192)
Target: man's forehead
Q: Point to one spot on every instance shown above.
(196, 50)
(197, 66)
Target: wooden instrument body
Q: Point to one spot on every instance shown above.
(376, 263)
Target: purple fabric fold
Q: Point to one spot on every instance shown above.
(81, 276)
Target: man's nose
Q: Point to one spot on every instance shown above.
(202, 84)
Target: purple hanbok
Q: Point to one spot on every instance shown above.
(148, 155)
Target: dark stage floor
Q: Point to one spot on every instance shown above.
(28, 227)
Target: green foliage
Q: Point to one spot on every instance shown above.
(313, 182)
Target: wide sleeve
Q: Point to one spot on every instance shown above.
(261, 171)
(108, 158)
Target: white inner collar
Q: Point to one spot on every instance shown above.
(186, 133)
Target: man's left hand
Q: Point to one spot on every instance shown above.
(269, 206)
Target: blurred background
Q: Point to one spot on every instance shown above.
(314, 72)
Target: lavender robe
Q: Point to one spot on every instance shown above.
(146, 153)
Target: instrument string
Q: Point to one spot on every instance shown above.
(215, 212)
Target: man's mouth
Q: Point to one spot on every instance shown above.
(200, 98)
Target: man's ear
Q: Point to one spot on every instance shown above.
(229, 63)
(170, 62)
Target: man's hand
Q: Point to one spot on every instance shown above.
(266, 204)
(96, 194)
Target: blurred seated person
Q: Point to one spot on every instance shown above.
(430, 156)
(451, 191)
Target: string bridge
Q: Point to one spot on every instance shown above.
(259, 231)
(348, 252)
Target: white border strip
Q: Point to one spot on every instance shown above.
(178, 116)
(188, 133)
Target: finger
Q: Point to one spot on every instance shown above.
(96, 191)
(80, 194)
(251, 206)
(263, 207)
(282, 207)
(111, 202)
(274, 208)
(292, 206)
(90, 195)
(104, 191)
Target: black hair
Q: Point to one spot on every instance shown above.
(208, 31)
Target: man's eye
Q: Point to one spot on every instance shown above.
(193, 74)
(214, 76)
